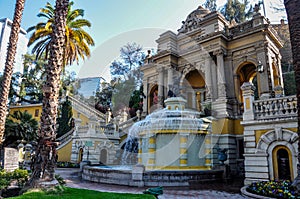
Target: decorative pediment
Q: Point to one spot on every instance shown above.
(193, 20)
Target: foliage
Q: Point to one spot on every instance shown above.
(60, 180)
(67, 165)
(275, 189)
(236, 10)
(210, 5)
(21, 176)
(67, 192)
(103, 97)
(136, 101)
(65, 122)
(20, 126)
(77, 39)
(289, 83)
(14, 85)
(32, 79)
(121, 94)
(127, 67)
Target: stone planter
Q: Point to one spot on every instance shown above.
(244, 192)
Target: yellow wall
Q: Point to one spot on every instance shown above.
(84, 119)
(64, 153)
(227, 126)
(32, 109)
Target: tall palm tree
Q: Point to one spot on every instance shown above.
(45, 157)
(76, 38)
(293, 13)
(10, 59)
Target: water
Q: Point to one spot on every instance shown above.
(167, 123)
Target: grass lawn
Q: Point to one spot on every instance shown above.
(68, 193)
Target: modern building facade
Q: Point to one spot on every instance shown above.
(5, 28)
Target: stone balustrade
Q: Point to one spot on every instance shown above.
(87, 110)
(283, 107)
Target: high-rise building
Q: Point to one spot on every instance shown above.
(5, 28)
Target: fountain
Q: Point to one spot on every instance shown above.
(172, 146)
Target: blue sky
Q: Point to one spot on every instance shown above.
(117, 22)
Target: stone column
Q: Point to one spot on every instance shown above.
(183, 149)
(263, 76)
(151, 151)
(248, 95)
(237, 87)
(221, 74)
(170, 78)
(160, 85)
(145, 100)
(208, 80)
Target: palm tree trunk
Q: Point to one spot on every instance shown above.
(45, 158)
(9, 64)
(293, 14)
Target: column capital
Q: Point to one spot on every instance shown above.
(219, 52)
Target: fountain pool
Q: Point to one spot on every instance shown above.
(174, 149)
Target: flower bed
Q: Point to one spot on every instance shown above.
(67, 165)
(274, 189)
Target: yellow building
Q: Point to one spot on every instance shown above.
(33, 109)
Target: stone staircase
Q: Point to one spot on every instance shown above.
(86, 109)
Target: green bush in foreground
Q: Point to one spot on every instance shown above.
(67, 193)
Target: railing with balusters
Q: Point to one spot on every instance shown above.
(82, 107)
(283, 107)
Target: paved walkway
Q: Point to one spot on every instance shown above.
(73, 179)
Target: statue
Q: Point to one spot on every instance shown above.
(148, 57)
(171, 94)
(222, 156)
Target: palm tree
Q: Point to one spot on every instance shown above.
(77, 40)
(10, 58)
(45, 157)
(293, 13)
(20, 126)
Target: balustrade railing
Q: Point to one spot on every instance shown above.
(82, 107)
(283, 107)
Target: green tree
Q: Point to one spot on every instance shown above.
(131, 58)
(77, 40)
(33, 78)
(104, 96)
(8, 69)
(20, 126)
(210, 5)
(65, 122)
(236, 10)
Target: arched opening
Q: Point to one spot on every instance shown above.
(153, 99)
(246, 73)
(80, 155)
(282, 163)
(103, 157)
(276, 77)
(195, 90)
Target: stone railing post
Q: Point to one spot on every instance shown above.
(77, 125)
(248, 94)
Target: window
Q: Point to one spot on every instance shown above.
(36, 112)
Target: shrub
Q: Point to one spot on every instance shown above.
(67, 165)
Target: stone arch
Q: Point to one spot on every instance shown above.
(275, 138)
(192, 84)
(152, 97)
(244, 72)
